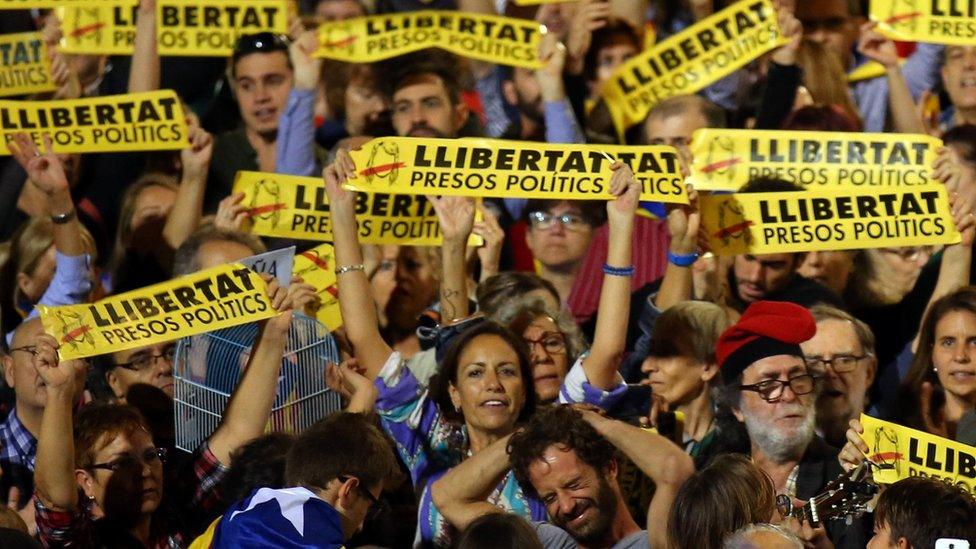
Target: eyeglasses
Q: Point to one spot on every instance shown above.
(771, 390)
(259, 42)
(376, 505)
(554, 344)
(545, 221)
(150, 457)
(32, 349)
(840, 363)
(146, 361)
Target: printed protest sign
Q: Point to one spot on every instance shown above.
(297, 207)
(24, 64)
(221, 297)
(184, 27)
(317, 267)
(901, 452)
(277, 263)
(691, 59)
(512, 169)
(827, 219)
(933, 21)
(48, 4)
(726, 159)
(147, 121)
(492, 38)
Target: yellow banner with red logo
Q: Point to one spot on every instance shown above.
(296, 207)
(492, 38)
(24, 64)
(317, 267)
(901, 452)
(933, 21)
(183, 27)
(691, 60)
(220, 297)
(725, 160)
(48, 4)
(512, 169)
(827, 219)
(146, 121)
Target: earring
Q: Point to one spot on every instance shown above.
(935, 369)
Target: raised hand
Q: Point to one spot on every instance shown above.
(490, 254)
(590, 16)
(855, 451)
(552, 53)
(196, 157)
(44, 170)
(56, 374)
(306, 65)
(280, 301)
(64, 78)
(455, 215)
(231, 214)
(684, 225)
(303, 296)
(625, 187)
(791, 29)
(877, 47)
(336, 174)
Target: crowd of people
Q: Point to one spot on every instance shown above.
(589, 376)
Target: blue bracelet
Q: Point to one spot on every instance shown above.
(618, 271)
(683, 260)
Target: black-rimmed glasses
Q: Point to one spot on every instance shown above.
(771, 390)
(149, 457)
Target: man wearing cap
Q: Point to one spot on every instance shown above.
(770, 391)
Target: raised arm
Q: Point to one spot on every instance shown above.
(144, 69)
(684, 223)
(54, 472)
(609, 340)
(250, 405)
(296, 133)
(461, 494)
(187, 210)
(456, 217)
(901, 105)
(355, 295)
(657, 457)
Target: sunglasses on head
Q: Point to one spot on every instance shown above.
(259, 42)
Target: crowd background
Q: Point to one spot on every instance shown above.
(459, 363)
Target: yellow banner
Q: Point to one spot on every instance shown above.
(183, 27)
(317, 267)
(827, 219)
(538, 2)
(221, 297)
(692, 59)
(133, 122)
(24, 64)
(902, 452)
(512, 169)
(46, 4)
(725, 160)
(297, 207)
(493, 38)
(934, 21)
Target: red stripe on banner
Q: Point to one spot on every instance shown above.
(266, 208)
(729, 231)
(886, 456)
(719, 165)
(87, 29)
(70, 336)
(320, 263)
(381, 168)
(341, 43)
(902, 17)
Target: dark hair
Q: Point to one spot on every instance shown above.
(448, 372)
(592, 211)
(336, 76)
(399, 71)
(186, 260)
(963, 138)
(729, 493)
(689, 329)
(341, 444)
(615, 31)
(499, 531)
(261, 42)
(922, 510)
(821, 118)
(493, 292)
(765, 184)
(100, 419)
(563, 427)
(258, 464)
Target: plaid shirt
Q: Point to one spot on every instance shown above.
(17, 444)
(77, 529)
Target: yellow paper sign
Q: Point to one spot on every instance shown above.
(317, 267)
(493, 38)
(827, 219)
(726, 159)
(297, 207)
(221, 297)
(539, 2)
(902, 452)
(24, 64)
(866, 71)
(146, 121)
(183, 27)
(46, 4)
(934, 21)
(692, 59)
(512, 169)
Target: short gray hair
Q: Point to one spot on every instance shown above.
(187, 260)
(865, 337)
(742, 538)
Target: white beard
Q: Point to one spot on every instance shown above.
(777, 443)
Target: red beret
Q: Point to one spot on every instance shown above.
(767, 328)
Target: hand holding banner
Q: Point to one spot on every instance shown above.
(935, 21)
(507, 169)
(224, 296)
(24, 64)
(492, 38)
(317, 267)
(146, 121)
(827, 219)
(724, 160)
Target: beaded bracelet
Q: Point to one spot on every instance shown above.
(618, 271)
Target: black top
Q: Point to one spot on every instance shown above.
(232, 152)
